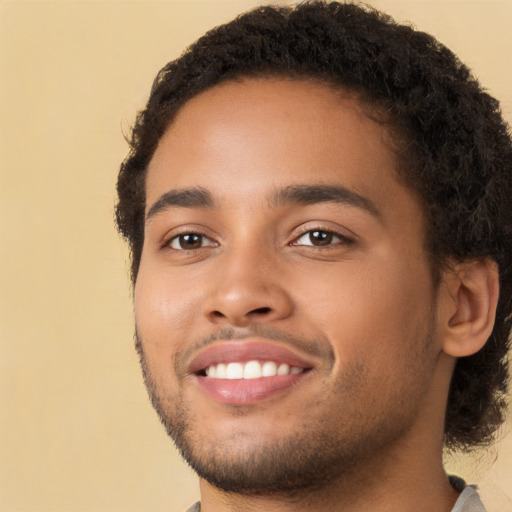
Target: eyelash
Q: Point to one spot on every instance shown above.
(168, 242)
(343, 240)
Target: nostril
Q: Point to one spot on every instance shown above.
(233, 316)
(261, 311)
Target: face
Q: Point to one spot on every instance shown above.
(284, 303)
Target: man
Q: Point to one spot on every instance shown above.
(316, 200)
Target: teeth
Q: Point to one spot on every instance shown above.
(250, 370)
(283, 369)
(269, 369)
(234, 371)
(220, 372)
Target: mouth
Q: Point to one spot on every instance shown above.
(250, 370)
(247, 371)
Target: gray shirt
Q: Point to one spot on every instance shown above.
(468, 501)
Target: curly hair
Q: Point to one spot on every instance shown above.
(454, 149)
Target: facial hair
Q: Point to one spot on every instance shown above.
(322, 449)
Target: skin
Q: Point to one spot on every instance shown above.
(370, 411)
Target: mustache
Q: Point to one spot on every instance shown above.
(318, 347)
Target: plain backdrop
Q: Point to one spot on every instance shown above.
(77, 433)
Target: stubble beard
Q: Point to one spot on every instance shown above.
(314, 457)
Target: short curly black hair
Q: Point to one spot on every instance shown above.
(454, 147)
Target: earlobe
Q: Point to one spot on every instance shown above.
(473, 289)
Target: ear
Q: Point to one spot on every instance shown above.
(471, 291)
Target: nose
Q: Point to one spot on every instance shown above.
(247, 289)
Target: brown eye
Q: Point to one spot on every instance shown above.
(189, 241)
(321, 238)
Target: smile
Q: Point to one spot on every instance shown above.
(244, 372)
(250, 370)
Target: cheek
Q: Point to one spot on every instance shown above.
(164, 311)
(371, 312)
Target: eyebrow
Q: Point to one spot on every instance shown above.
(312, 194)
(196, 197)
(199, 197)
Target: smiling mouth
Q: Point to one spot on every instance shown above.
(250, 370)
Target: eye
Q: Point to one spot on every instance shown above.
(321, 238)
(189, 242)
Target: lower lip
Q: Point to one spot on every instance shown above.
(247, 391)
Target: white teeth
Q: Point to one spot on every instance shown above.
(220, 372)
(269, 369)
(235, 371)
(283, 369)
(250, 370)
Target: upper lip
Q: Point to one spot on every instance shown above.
(247, 350)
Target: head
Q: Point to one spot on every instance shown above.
(451, 150)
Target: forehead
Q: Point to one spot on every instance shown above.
(238, 139)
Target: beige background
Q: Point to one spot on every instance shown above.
(77, 432)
